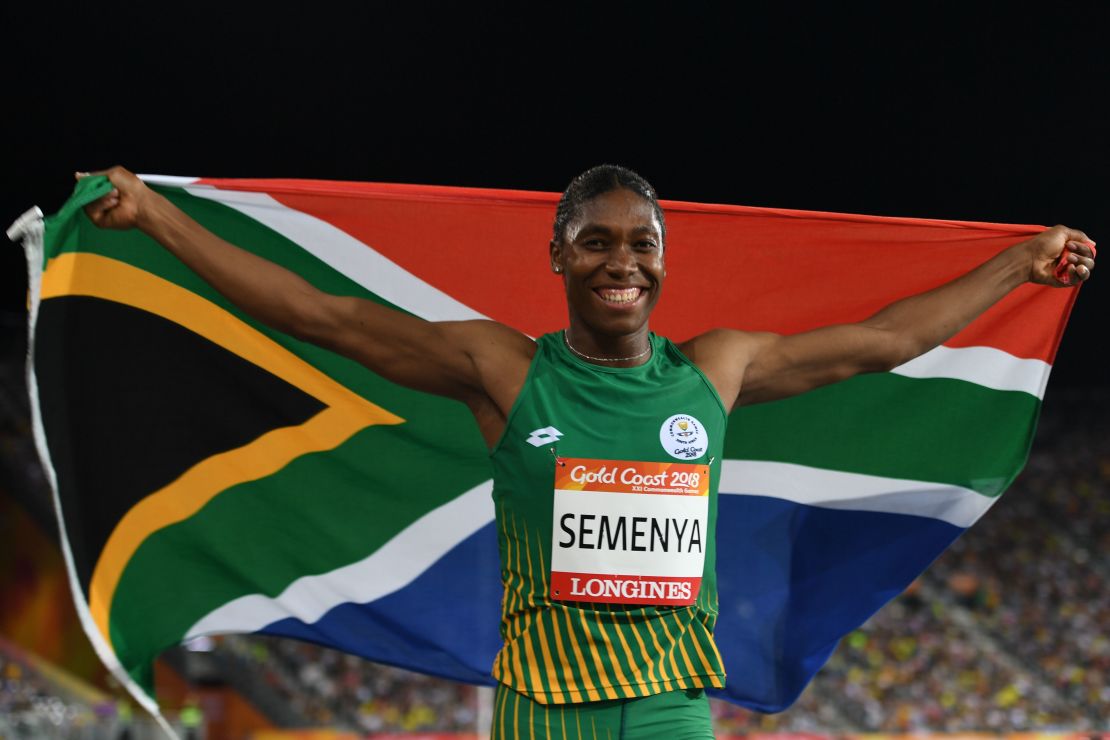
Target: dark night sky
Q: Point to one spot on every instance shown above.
(938, 111)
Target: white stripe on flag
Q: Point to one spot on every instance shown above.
(985, 366)
(393, 566)
(344, 253)
(833, 489)
(175, 181)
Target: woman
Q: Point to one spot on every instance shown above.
(605, 439)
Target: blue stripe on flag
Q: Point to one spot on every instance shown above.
(784, 569)
(444, 623)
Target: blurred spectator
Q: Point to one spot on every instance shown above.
(336, 689)
(32, 707)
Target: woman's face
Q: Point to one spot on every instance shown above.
(611, 259)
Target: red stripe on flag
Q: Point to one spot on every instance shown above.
(788, 270)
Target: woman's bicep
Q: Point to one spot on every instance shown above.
(788, 365)
(422, 355)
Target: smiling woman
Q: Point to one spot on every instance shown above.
(614, 639)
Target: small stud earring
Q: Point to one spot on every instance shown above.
(557, 268)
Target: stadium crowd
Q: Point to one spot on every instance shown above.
(330, 688)
(1036, 569)
(30, 707)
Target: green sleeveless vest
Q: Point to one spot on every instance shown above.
(605, 488)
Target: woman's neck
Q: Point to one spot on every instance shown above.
(623, 351)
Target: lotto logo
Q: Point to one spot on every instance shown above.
(545, 436)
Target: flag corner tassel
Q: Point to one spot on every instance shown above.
(25, 224)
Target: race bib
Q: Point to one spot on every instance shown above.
(627, 532)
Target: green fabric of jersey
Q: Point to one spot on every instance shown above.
(675, 715)
(558, 652)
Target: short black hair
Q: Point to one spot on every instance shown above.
(597, 181)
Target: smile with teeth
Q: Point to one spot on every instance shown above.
(619, 295)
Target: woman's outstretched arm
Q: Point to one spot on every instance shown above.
(481, 363)
(753, 367)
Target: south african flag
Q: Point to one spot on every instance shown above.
(213, 475)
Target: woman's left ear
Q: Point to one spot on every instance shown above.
(553, 251)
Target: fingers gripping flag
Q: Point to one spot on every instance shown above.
(213, 475)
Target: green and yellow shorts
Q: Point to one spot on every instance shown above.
(674, 715)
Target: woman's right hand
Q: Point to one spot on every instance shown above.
(125, 206)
